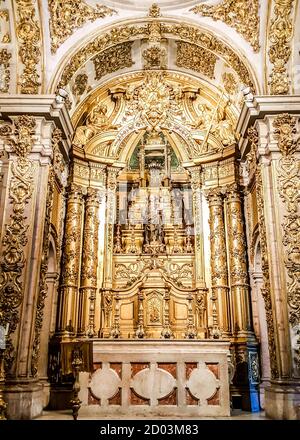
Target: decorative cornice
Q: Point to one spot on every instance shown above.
(280, 36)
(66, 16)
(240, 15)
(29, 37)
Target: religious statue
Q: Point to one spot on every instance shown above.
(204, 118)
(223, 129)
(97, 121)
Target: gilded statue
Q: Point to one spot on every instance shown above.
(97, 121)
(204, 118)
(223, 129)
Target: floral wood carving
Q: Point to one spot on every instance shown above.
(4, 70)
(113, 59)
(68, 15)
(289, 189)
(19, 136)
(195, 58)
(29, 36)
(281, 33)
(241, 15)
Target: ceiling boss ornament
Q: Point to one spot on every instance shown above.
(68, 15)
(241, 15)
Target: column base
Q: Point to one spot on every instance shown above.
(24, 400)
(282, 401)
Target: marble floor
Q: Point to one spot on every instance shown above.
(66, 415)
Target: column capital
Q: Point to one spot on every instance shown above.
(43, 107)
(215, 195)
(260, 108)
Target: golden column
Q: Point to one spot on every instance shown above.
(198, 225)
(218, 258)
(68, 299)
(239, 282)
(88, 286)
(111, 206)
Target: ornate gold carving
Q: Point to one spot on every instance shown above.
(5, 26)
(191, 56)
(96, 122)
(58, 161)
(70, 261)
(115, 36)
(155, 58)
(113, 59)
(289, 189)
(229, 83)
(251, 156)
(281, 34)
(218, 264)
(286, 134)
(241, 15)
(29, 36)
(90, 260)
(19, 137)
(4, 70)
(210, 42)
(154, 103)
(68, 15)
(80, 84)
(185, 32)
(43, 288)
(154, 11)
(266, 291)
(238, 261)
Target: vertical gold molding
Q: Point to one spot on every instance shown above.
(19, 137)
(111, 205)
(219, 274)
(280, 35)
(71, 262)
(88, 288)
(197, 210)
(239, 284)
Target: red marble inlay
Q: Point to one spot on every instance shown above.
(92, 400)
(135, 399)
(117, 367)
(116, 399)
(190, 400)
(169, 367)
(138, 366)
(170, 399)
(189, 367)
(214, 368)
(215, 399)
(96, 366)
